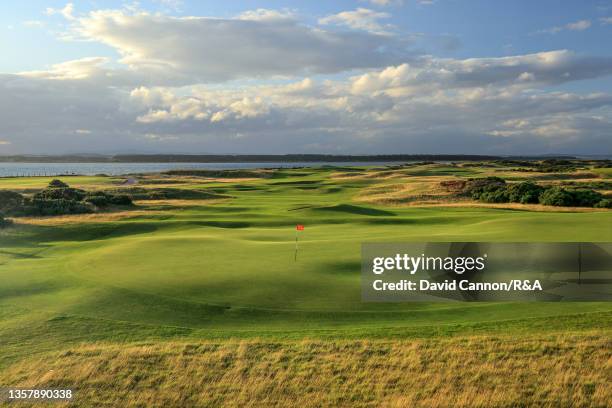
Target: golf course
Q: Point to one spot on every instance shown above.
(197, 288)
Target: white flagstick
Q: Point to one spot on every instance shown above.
(298, 228)
(296, 246)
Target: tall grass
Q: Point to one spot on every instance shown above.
(543, 370)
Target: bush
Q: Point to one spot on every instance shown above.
(98, 198)
(497, 195)
(41, 206)
(477, 187)
(495, 190)
(60, 193)
(121, 199)
(557, 196)
(571, 198)
(586, 198)
(605, 203)
(57, 184)
(4, 222)
(59, 199)
(10, 202)
(525, 193)
(102, 199)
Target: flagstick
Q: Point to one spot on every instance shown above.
(296, 246)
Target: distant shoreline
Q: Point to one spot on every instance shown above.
(288, 158)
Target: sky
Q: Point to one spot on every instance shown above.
(517, 77)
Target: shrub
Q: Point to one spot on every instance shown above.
(476, 187)
(59, 199)
(605, 203)
(586, 198)
(121, 199)
(495, 195)
(495, 190)
(10, 202)
(4, 222)
(557, 196)
(99, 199)
(57, 184)
(60, 193)
(41, 206)
(525, 193)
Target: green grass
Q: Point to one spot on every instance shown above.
(226, 269)
(25, 183)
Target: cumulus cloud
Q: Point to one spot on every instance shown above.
(256, 44)
(553, 67)
(403, 107)
(252, 84)
(359, 19)
(304, 116)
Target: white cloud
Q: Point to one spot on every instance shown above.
(384, 3)
(552, 67)
(579, 25)
(168, 94)
(403, 107)
(399, 108)
(265, 44)
(359, 19)
(67, 11)
(267, 15)
(75, 69)
(606, 20)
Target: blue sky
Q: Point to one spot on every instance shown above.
(485, 28)
(306, 76)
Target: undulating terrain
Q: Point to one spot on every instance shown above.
(192, 295)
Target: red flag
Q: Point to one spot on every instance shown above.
(299, 227)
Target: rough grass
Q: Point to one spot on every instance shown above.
(83, 218)
(572, 369)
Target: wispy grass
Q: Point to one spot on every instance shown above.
(547, 371)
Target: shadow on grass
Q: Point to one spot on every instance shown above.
(355, 209)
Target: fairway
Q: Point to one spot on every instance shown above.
(203, 270)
